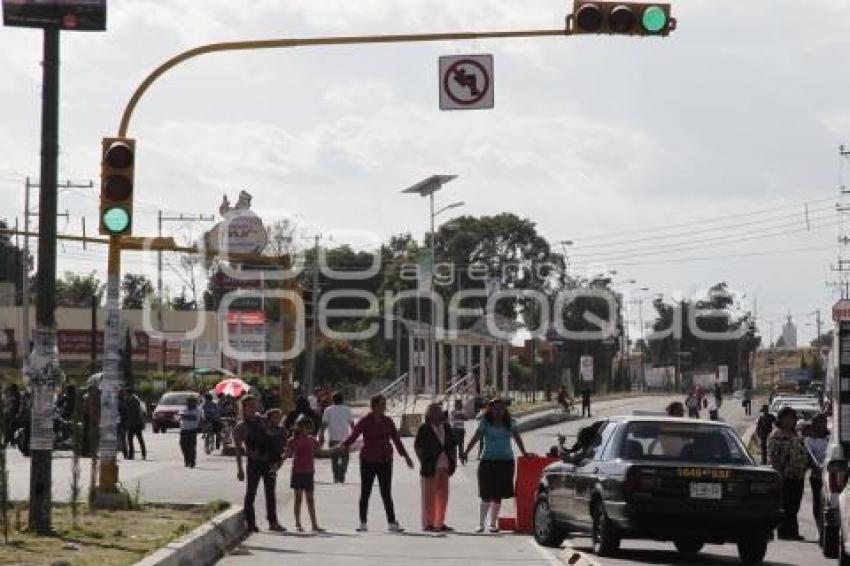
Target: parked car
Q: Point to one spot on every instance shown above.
(835, 474)
(686, 481)
(806, 407)
(165, 414)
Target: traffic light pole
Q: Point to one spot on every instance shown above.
(317, 42)
(108, 447)
(43, 365)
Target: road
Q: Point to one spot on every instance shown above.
(163, 478)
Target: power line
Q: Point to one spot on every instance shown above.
(693, 232)
(601, 235)
(690, 245)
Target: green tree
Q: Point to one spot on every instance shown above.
(135, 288)
(76, 291)
(12, 260)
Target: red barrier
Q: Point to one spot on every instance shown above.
(528, 472)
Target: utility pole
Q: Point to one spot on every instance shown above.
(159, 290)
(25, 280)
(310, 366)
(43, 364)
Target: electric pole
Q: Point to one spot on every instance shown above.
(159, 290)
(25, 280)
(310, 366)
(43, 364)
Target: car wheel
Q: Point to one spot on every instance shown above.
(752, 549)
(688, 547)
(606, 540)
(546, 531)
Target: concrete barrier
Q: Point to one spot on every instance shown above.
(204, 545)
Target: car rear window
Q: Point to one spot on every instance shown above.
(685, 441)
(174, 398)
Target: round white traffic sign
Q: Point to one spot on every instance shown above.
(466, 82)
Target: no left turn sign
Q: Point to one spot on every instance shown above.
(466, 82)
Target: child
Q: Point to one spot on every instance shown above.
(303, 448)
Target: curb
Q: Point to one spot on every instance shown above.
(204, 545)
(543, 420)
(573, 557)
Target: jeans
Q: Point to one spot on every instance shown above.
(259, 470)
(339, 462)
(189, 447)
(585, 409)
(384, 472)
(792, 495)
(136, 433)
(122, 440)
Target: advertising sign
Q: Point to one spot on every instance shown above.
(69, 15)
(7, 340)
(586, 368)
(723, 374)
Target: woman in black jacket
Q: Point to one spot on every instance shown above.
(437, 453)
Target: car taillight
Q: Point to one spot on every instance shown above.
(635, 483)
(837, 480)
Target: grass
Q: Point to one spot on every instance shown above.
(104, 538)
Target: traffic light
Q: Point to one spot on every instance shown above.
(116, 186)
(622, 18)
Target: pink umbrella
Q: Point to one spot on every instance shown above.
(234, 387)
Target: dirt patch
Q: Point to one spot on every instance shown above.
(102, 538)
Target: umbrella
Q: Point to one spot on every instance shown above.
(234, 387)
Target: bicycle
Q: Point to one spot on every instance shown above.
(212, 438)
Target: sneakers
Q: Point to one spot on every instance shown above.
(395, 528)
(494, 528)
(276, 528)
(479, 529)
(362, 528)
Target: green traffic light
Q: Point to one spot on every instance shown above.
(116, 220)
(654, 19)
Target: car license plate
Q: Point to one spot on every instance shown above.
(706, 491)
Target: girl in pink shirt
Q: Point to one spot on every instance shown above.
(303, 448)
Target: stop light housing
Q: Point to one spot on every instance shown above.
(621, 18)
(116, 186)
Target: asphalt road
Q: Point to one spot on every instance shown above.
(163, 478)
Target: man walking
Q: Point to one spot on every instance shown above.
(764, 427)
(585, 402)
(253, 440)
(190, 424)
(338, 421)
(134, 424)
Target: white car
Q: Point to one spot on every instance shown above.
(840, 470)
(806, 407)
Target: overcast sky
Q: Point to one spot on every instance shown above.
(677, 162)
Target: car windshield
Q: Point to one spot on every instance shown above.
(174, 398)
(685, 441)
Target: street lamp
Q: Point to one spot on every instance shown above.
(427, 188)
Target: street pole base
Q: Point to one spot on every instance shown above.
(112, 500)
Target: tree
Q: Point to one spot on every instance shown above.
(12, 260)
(718, 312)
(135, 288)
(76, 291)
(183, 303)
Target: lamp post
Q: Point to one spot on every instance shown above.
(427, 188)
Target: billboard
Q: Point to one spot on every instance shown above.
(586, 368)
(71, 15)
